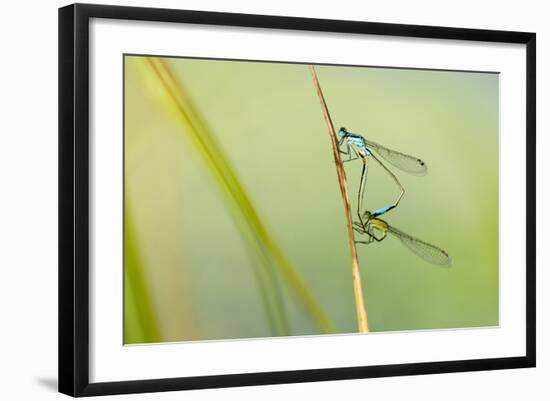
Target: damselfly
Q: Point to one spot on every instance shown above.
(378, 229)
(360, 147)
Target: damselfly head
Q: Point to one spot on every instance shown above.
(343, 132)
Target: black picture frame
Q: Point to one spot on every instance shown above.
(74, 191)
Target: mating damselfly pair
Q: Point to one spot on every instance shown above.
(355, 146)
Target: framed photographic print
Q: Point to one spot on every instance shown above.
(250, 199)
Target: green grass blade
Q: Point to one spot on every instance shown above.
(140, 322)
(254, 231)
(218, 166)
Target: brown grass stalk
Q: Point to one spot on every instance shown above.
(362, 320)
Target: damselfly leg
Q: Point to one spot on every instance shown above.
(363, 148)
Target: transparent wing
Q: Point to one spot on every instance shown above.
(410, 164)
(428, 252)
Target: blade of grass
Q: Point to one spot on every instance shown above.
(253, 226)
(262, 263)
(362, 321)
(140, 321)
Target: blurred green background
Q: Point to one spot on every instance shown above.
(189, 273)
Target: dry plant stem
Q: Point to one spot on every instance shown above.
(362, 320)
